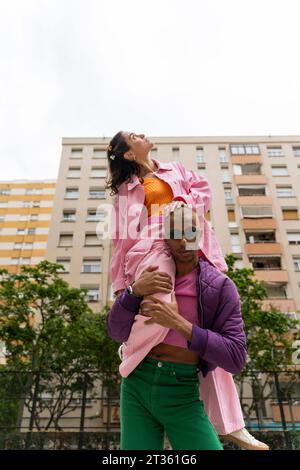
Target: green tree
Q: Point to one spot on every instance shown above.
(55, 344)
(271, 337)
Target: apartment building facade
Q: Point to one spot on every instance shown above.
(25, 213)
(255, 183)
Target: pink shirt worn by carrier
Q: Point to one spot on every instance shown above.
(186, 297)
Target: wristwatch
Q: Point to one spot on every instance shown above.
(130, 291)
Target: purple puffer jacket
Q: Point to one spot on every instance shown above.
(220, 340)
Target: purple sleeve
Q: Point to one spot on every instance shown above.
(226, 346)
(121, 316)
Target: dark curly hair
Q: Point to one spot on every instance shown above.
(120, 168)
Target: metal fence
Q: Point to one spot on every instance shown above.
(39, 410)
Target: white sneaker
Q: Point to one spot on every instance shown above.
(244, 439)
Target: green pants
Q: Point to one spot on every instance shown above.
(163, 397)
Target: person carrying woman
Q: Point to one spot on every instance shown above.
(144, 189)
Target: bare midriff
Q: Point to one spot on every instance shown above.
(168, 352)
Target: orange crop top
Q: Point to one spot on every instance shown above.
(157, 191)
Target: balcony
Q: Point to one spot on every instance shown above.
(255, 224)
(263, 248)
(242, 160)
(266, 236)
(250, 179)
(284, 305)
(270, 275)
(254, 200)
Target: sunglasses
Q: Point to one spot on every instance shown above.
(189, 234)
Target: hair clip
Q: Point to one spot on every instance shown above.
(112, 157)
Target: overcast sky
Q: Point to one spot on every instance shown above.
(85, 68)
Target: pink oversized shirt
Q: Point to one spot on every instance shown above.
(130, 216)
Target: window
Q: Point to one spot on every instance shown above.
(226, 177)
(265, 263)
(245, 149)
(25, 261)
(14, 261)
(66, 264)
(175, 153)
(23, 217)
(284, 191)
(222, 155)
(256, 211)
(235, 243)
(74, 172)
(2, 218)
(274, 152)
(20, 231)
(247, 169)
(93, 293)
(71, 193)
(97, 193)
(34, 216)
(297, 263)
(111, 295)
(293, 238)
(100, 153)
(260, 237)
(4, 192)
(296, 151)
(91, 239)
(252, 190)
(239, 264)
(298, 168)
(290, 214)
(237, 169)
(36, 204)
(65, 239)
(33, 191)
(17, 246)
(279, 171)
(76, 153)
(98, 173)
(231, 218)
(95, 215)
(276, 290)
(28, 246)
(202, 171)
(91, 265)
(26, 204)
(3, 204)
(199, 155)
(31, 231)
(228, 196)
(69, 215)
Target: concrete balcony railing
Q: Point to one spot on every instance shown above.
(242, 160)
(263, 248)
(284, 305)
(270, 275)
(254, 200)
(250, 179)
(257, 223)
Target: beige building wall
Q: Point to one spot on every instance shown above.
(25, 213)
(73, 240)
(254, 211)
